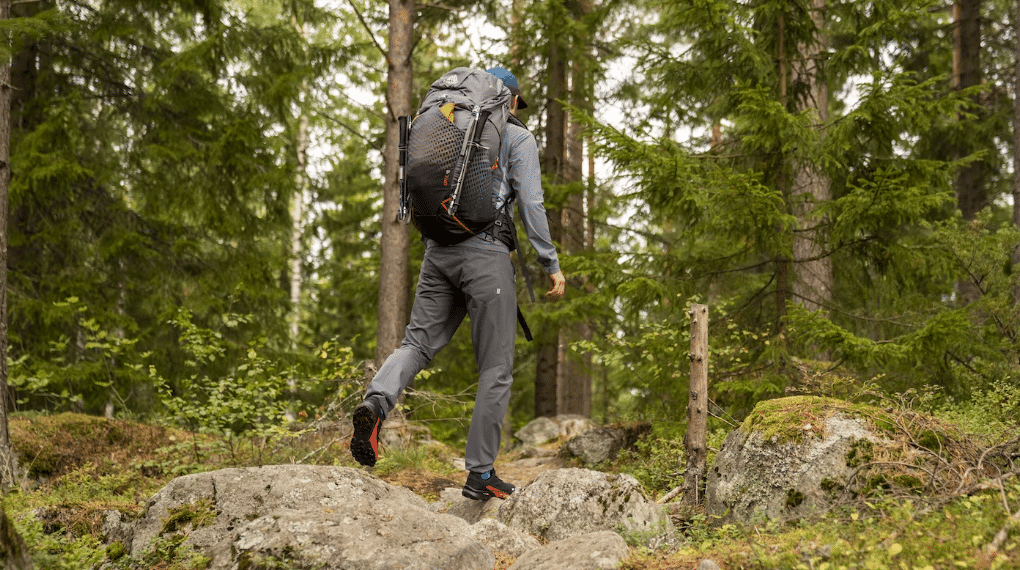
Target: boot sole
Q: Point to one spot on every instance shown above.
(484, 495)
(365, 426)
(476, 495)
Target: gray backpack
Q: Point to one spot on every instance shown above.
(449, 157)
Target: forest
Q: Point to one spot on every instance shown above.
(200, 227)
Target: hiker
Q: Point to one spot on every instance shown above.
(473, 277)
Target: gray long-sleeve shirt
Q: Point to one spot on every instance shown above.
(519, 156)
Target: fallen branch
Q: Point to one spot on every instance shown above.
(671, 495)
(1003, 534)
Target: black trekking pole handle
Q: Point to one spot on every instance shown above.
(465, 160)
(402, 125)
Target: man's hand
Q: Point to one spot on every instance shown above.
(559, 284)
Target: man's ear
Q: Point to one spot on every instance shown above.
(513, 103)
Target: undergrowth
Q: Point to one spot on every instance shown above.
(961, 514)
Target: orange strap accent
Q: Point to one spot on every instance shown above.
(454, 218)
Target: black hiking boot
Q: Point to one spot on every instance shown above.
(480, 488)
(365, 443)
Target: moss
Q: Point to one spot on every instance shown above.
(878, 482)
(861, 451)
(783, 419)
(794, 498)
(115, 551)
(198, 514)
(830, 485)
(909, 482)
(928, 439)
(54, 445)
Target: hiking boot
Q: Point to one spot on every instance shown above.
(484, 486)
(365, 443)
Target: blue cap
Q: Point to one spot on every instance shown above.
(510, 80)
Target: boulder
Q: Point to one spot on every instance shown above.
(116, 528)
(598, 445)
(573, 425)
(538, 431)
(562, 503)
(500, 538)
(306, 516)
(787, 458)
(452, 502)
(595, 551)
(543, 430)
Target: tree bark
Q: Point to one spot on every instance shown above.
(394, 281)
(553, 161)
(970, 194)
(696, 438)
(782, 260)
(969, 184)
(297, 230)
(7, 459)
(1016, 145)
(13, 552)
(575, 374)
(812, 284)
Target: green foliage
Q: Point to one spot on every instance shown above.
(255, 395)
(170, 552)
(413, 458)
(659, 458)
(58, 551)
(82, 366)
(252, 397)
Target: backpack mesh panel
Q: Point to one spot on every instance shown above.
(433, 151)
(476, 199)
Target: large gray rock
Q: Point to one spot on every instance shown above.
(538, 431)
(785, 464)
(598, 445)
(596, 551)
(573, 425)
(116, 527)
(500, 538)
(542, 429)
(307, 516)
(453, 502)
(561, 503)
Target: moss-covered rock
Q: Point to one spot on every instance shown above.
(795, 456)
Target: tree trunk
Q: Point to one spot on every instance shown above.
(782, 260)
(394, 281)
(812, 284)
(553, 160)
(696, 436)
(1016, 145)
(7, 459)
(13, 552)
(969, 184)
(970, 195)
(297, 230)
(575, 385)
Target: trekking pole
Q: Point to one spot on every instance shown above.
(465, 155)
(402, 124)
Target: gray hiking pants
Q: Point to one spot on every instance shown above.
(457, 281)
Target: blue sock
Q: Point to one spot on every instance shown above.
(486, 475)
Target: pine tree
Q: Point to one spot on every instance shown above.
(7, 458)
(723, 201)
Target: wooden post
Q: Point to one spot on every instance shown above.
(695, 440)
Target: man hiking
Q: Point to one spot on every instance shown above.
(473, 277)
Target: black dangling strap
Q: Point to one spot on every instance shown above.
(524, 325)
